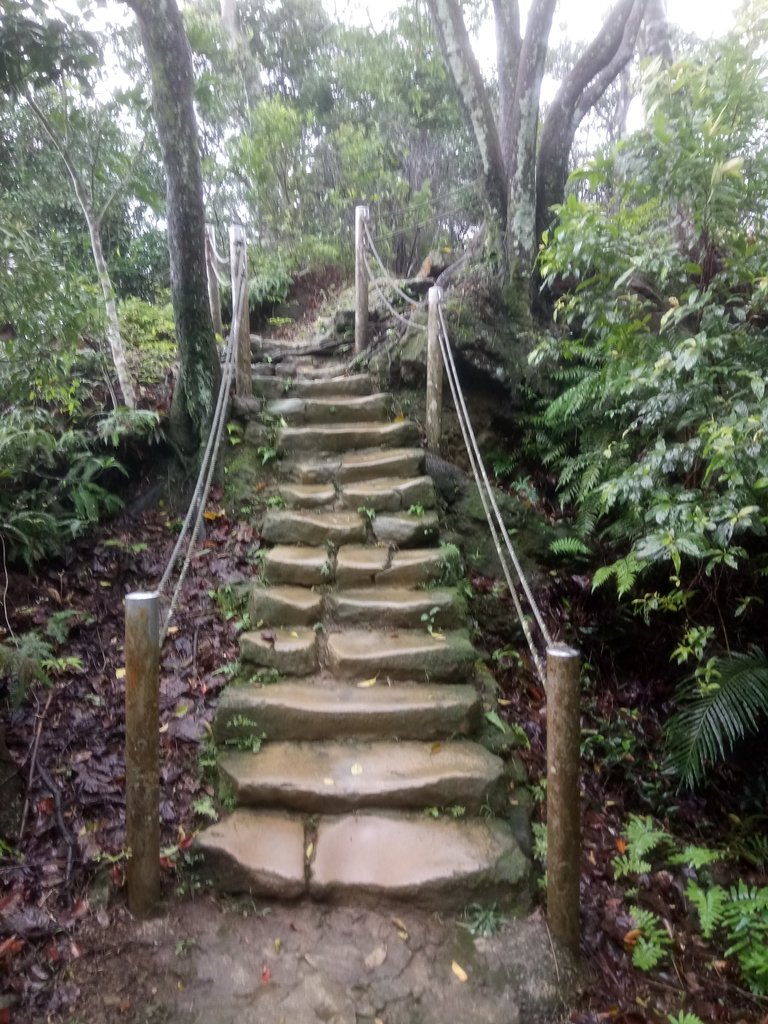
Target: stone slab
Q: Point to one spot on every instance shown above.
(413, 568)
(352, 384)
(390, 462)
(347, 436)
(406, 531)
(401, 654)
(297, 526)
(293, 652)
(333, 409)
(304, 566)
(397, 607)
(285, 605)
(307, 496)
(257, 853)
(389, 494)
(440, 863)
(314, 710)
(357, 565)
(333, 776)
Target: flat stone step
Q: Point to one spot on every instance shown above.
(296, 526)
(303, 566)
(318, 710)
(309, 367)
(397, 607)
(340, 437)
(356, 409)
(307, 495)
(270, 386)
(284, 606)
(435, 863)
(293, 652)
(366, 465)
(258, 852)
(389, 494)
(332, 776)
(402, 654)
(362, 566)
(406, 531)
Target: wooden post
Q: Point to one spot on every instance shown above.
(563, 799)
(142, 750)
(238, 257)
(361, 281)
(434, 372)
(214, 299)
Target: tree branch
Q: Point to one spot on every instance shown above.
(121, 182)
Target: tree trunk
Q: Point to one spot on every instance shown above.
(245, 60)
(462, 65)
(657, 42)
(584, 85)
(170, 66)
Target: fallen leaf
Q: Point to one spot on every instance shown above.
(632, 936)
(328, 781)
(459, 971)
(310, 850)
(172, 631)
(10, 947)
(213, 514)
(504, 703)
(356, 769)
(437, 636)
(366, 683)
(402, 931)
(621, 845)
(376, 957)
(436, 747)
(278, 945)
(294, 634)
(119, 673)
(266, 975)
(105, 583)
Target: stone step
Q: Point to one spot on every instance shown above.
(272, 387)
(403, 654)
(319, 710)
(389, 494)
(303, 411)
(310, 368)
(295, 564)
(258, 852)
(353, 466)
(340, 437)
(326, 777)
(361, 566)
(406, 531)
(307, 495)
(284, 606)
(396, 607)
(293, 652)
(439, 863)
(297, 526)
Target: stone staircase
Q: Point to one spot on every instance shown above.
(354, 775)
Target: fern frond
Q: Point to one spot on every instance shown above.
(711, 720)
(709, 904)
(569, 547)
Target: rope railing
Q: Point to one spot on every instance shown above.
(144, 631)
(388, 279)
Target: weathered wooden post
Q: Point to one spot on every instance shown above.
(361, 281)
(238, 257)
(434, 372)
(214, 298)
(563, 800)
(142, 750)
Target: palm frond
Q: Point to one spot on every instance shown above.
(711, 720)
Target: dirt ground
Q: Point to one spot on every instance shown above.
(209, 960)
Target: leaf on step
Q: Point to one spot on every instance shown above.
(119, 673)
(212, 514)
(366, 683)
(437, 636)
(376, 957)
(328, 781)
(356, 769)
(459, 971)
(310, 850)
(402, 931)
(294, 634)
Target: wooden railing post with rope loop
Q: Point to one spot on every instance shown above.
(238, 256)
(434, 372)
(142, 750)
(563, 799)
(214, 297)
(361, 281)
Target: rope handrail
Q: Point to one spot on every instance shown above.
(207, 466)
(217, 257)
(387, 276)
(490, 505)
(398, 316)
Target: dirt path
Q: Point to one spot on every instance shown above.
(248, 963)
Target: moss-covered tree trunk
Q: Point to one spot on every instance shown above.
(170, 66)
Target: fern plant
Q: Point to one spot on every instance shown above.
(714, 714)
(742, 912)
(650, 940)
(642, 838)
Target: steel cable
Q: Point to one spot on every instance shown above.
(388, 277)
(398, 316)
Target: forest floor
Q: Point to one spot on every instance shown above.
(69, 951)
